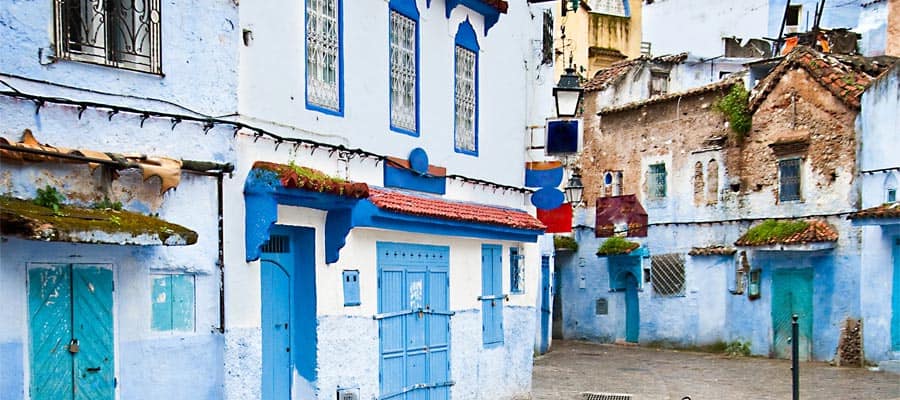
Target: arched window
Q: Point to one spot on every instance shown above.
(404, 35)
(698, 183)
(712, 182)
(465, 127)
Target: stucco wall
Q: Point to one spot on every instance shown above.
(673, 26)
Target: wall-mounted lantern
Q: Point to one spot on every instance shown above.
(568, 93)
(574, 188)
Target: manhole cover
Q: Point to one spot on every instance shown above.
(605, 396)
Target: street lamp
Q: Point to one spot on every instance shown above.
(567, 94)
(574, 188)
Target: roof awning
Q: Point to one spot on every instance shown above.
(24, 219)
(355, 204)
(790, 235)
(885, 214)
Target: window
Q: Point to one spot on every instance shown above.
(547, 39)
(611, 7)
(466, 102)
(618, 186)
(404, 66)
(117, 33)
(324, 74)
(792, 19)
(659, 83)
(516, 271)
(656, 181)
(890, 188)
(172, 303)
(667, 274)
(789, 179)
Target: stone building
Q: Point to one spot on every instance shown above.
(743, 229)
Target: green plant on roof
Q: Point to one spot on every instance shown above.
(51, 198)
(106, 204)
(565, 243)
(116, 220)
(736, 109)
(617, 246)
(773, 231)
(312, 174)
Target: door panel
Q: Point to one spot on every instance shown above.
(276, 317)
(93, 327)
(632, 310)
(49, 304)
(792, 294)
(895, 315)
(545, 304)
(413, 307)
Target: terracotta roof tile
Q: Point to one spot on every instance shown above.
(428, 206)
(887, 210)
(722, 85)
(609, 75)
(847, 77)
(715, 250)
(816, 231)
(297, 177)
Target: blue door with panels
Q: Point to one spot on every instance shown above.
(545, 304)
(276, 270)
(71, 321)
(414, 321)
(792, 293)
(895, 302)
(492, 294)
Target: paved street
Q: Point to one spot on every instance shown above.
(572, 368)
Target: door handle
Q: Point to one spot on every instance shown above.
(94, 369)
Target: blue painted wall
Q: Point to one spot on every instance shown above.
(838, 14)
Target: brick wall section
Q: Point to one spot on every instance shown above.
(828, 123)
(893, 29)
(626, 137)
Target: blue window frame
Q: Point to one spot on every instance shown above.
(325, 56)
(465, 122)
(516, 271)
(789, 179)
(403, 29)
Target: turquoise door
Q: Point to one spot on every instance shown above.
(276, 268)
(71, 321)
(632, 310)
(414, 321)
(895, 303)
(792, 294)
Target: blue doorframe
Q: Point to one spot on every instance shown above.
(287, 272)
(71, 323)
(414, 321)
(895, 303)
(546, 305)
(632, 310)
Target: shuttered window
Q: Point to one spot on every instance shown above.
(173, 303)
(491, 295)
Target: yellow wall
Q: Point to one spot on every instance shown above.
(586, 30)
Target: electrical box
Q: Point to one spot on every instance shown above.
(348, 394)
(351, 287)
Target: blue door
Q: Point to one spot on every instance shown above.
(545, 304)
(414, 321)
(276, 268)
(632, 310)
(792, 294)
(895, 304)
(70, 311)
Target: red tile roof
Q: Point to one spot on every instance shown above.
(714, 250)
(816, 231)
(298, 177)
(887, 210)
(428, 206)
(847, 77)
(609, 75)
(722, 86)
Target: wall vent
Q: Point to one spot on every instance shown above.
(277, 244)
(605, 396)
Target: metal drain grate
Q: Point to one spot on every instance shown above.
(605, 396)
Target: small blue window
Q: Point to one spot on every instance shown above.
(172, 303)
(351, 288)
(465, 126)
(404, 67)
(516, 271)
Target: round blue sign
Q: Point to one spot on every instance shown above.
(418, 160)
(547, 198)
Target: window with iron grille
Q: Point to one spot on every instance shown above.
(323, 54)
(789, 179)
(516, 271)
(611, 7)
(404, 67)
(466, 102)
(117, 33)
(656, 181)
(659, 83)
(667, 274)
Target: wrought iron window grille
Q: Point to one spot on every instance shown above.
(403, 72)
(465, 99)
(117, 33)
(323, 54)
(656, 181)
(667, 275)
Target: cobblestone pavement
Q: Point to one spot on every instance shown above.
(572, 368)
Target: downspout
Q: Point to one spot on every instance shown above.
(221, 252)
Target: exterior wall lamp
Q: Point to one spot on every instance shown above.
(574, 188)
(568, 93)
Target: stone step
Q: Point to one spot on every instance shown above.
(892, 366)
